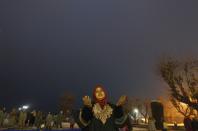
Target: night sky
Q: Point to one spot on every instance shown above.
(51, 46)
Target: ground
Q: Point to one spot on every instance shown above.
(144, 129)
(139, 128)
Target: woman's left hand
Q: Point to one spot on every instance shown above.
(122, 100)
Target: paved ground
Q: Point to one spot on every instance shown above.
(139, 129)
(144, 129)
(134, 129)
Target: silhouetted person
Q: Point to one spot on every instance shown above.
(188, 124)
(194, 124)
(22, 119)
(1, 117)
(60, 118)
(38, 119)
(72, 122)
(49, 121)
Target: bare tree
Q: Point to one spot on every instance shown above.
(182, 79)
(182, 108)
(144, 107)
(130, 106)
(67, 101)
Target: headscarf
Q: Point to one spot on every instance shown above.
(102, 102)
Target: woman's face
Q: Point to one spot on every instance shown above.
(100, 94)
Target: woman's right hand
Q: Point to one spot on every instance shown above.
(87, 101)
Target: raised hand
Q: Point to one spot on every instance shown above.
(87, 101)
(122, 100)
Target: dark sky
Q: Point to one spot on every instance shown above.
(51, 46)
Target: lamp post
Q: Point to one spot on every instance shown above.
(24, 107)
(136, 111)
(20, 108)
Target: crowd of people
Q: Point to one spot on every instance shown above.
(35, 119)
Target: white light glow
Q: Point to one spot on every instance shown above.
(136, 110)
(25, 107)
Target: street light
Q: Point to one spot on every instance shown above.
(136, 111)
(25, 107)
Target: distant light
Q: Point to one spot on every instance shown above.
(136, 110)
(25, 107)
(143, 119)
(20, 108)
